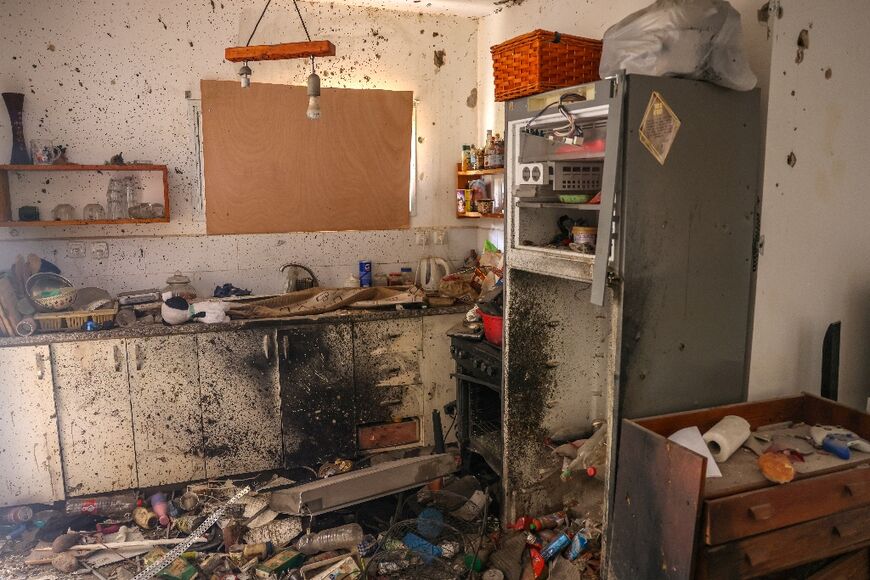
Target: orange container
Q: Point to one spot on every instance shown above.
(492, 328)
(541, 61)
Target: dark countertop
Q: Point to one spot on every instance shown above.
(148, 330)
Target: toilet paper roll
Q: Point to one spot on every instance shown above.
(727, 436)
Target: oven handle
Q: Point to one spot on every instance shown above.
(476, 381)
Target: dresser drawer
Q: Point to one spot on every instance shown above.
(787, 547)
(746, 514)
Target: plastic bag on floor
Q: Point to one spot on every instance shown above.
(696, 39)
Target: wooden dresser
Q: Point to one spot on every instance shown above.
(670, 521)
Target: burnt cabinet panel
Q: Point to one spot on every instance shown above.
(241, 402)
(167, 416)
(317, 393)
(29, 454)
(94, 417)
(386, 366)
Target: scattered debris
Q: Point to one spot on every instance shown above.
(440, 56)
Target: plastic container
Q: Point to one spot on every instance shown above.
(591, 457)
(16, 515)
(179, 285)
(117, 504)
(342, 537)
(492, 328)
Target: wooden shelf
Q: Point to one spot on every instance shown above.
(79, 167)
(478, 172)
(6, 220)
(492, 216)
(65, 223)
(543, 204)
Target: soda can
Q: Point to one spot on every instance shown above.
(365, 273)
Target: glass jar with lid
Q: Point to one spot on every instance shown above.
(179, 285)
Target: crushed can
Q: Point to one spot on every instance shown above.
(555, 547)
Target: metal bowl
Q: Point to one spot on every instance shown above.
(51, 292)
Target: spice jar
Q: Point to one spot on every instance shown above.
(179, 285)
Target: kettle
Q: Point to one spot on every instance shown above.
(429, 273)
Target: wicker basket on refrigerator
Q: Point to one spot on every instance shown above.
(541, 61)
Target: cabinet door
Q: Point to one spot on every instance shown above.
(317, 393)
(241, 401)
(29, 455)
(167, 416)
(93, 410)
(387, 369)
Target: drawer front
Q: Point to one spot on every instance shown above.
(387, 352)
(746, 514)
(383, 404)
(788, 547)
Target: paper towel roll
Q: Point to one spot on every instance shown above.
(727, 436)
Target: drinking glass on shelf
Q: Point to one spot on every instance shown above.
(116, 199)
(94, 211)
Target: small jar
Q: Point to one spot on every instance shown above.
(179, 285)
(394, 279)
(407, 276)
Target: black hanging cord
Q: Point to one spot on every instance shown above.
(260, 19)
(298, 13)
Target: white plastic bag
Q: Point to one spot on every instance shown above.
(696, 39)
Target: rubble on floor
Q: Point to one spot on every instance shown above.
(446, 527)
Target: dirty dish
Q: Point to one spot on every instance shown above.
(50, 291)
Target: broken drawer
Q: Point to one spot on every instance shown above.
(384, 404)
(746, 514)
(787, 547)
(387, 352)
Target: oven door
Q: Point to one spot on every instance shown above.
(479, 419)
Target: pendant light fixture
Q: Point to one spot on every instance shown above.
(309, 49)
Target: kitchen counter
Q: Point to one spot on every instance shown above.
(150, 330)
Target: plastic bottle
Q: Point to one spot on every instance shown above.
(591, 457)
(342, 537)
(117, 504)
(161, 508)
(548, 522)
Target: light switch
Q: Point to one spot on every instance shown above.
(75, 250)
(99, 250)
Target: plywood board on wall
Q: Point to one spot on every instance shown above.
(269, 169)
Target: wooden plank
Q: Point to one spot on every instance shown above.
(8, 301)
(787, 547)
(30, 454)
(738, 516)
(167, 416)
(389, 434)
(5, 200)
(268, 169)
(855, 566)
(656, 507)
(241, 401)
(94, 416)
(757, 413)
(282, 51)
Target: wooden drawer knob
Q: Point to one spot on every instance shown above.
(846, 530)
(761, 512)
(857, 488)
(757, 557)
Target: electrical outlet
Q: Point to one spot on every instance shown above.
(421, 237)
(439, 236)
(75, 250)
(99, 250)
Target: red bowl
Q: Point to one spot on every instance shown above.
(492, 328)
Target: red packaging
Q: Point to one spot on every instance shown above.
(539, 565)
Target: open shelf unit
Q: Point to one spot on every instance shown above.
(463, 178)
(6, 200)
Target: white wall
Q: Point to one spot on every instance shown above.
(105, 77)
(815, 268)
(591, 19)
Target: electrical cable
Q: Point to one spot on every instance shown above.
(263, 13)
(571, 129)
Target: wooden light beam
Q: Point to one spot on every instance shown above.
(280, 51)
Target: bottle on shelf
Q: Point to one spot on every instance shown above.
(466, 157)
(488, 150)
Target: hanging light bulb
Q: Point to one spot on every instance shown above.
(313, 96)
(245, 74)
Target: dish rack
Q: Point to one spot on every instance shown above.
(74, 319)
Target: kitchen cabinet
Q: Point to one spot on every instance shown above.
(317, 393)
(387, 370)
(167, 415)
(30, 454)
(94, 417)
(241, 401)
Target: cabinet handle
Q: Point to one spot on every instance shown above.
(761, 512)
(116, 354)
(285, 343)
(391, 402)
(139, 357)
(857, 488)
(267, 347)
(395, 335)
(40, 366)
